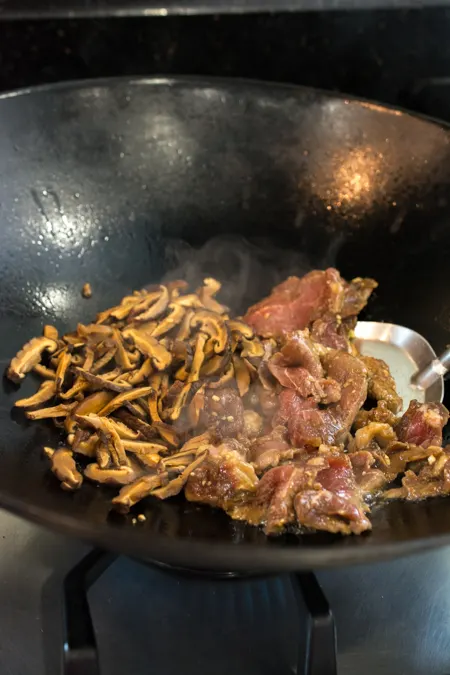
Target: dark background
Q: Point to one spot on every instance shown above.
(391, 55)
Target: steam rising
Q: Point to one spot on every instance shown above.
(247, 270)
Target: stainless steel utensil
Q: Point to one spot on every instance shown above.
(417, 370)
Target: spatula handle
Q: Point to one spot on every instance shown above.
(439, 367)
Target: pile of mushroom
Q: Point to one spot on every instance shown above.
(128, 390)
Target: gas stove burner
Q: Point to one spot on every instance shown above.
(317, 644)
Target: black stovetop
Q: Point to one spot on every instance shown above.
(391, 618)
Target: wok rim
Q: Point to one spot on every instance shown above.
(202, 80)
(200, 555)
(195, 553)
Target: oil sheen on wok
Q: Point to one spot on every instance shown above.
(273, 417)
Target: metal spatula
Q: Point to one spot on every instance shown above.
(417, 370)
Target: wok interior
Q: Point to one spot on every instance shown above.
(122, 184)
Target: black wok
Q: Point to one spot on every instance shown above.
(118, 182)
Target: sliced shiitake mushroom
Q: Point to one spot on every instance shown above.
(51, 332)
(43, 371)
(185, 327)
(122, 355)
(140, 375)
(214, 326)
(89, 358)
(144, 447)
(102, 381)
(217, 365)
(61, 410)
(251, 348)
(46, 391)
(135, 492)
(180, 401)
(241, 374)
(105, 359)
(123, 430)
(222, 380)
(156, 309)
(78, 387)
(146, 431)
(206, 294)
(173, 319)
(103, 455)
(94, 332)
(123, 475)
(175, 486)
(150, 347)
(64, 361)
(167, 433)
(191, 300)
(85, 443)
(196, 405)
(29, 356)
(153, 406)
(64, 468)
(126, 396)
(199, 356)
(109, 436)
(241, 328)
(381, 434)
(94, 403)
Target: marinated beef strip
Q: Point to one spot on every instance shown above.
(381, 385)
(223, 412)
(380, 413)
(422, 424)
(295, 303)
(332, 332)
(298, 302)
(224, 479)
(269, 450)
(385, 459)
(356, 296)
(335, 505)
(272, 504)
(309, 425)
(297, 366)
(369, 478)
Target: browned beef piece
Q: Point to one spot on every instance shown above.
(337, 506)
(295, 303)
(269, 450)
(422, 424)
(322, 390)
(309, 425)
(369, 479)
(331, 332)
(375, 468)
(381, 385)
(299, 350)
(223, 412)
(224, 478)
(432, 480)
(356, 295)
(273, 502)
(380, 414)
(297, 366)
